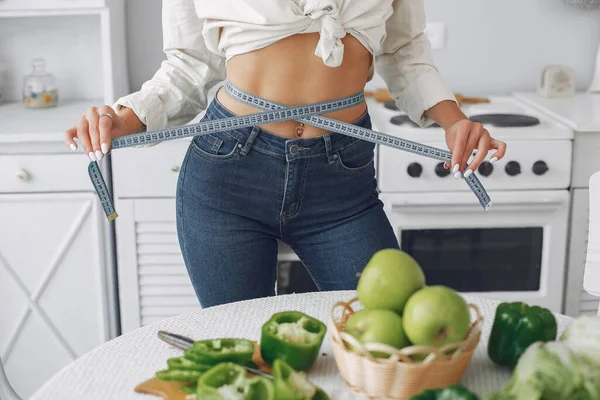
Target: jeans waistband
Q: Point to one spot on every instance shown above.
(290, 148)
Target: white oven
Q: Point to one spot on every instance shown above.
(513, 252)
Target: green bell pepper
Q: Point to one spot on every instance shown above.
(189, 389)
(452, 392)
(294, 385)
(215, 351)
(228, 381)
(516, 326)
(293, 337)
(178, 375)
(182, 363)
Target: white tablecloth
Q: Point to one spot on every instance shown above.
(112, 371)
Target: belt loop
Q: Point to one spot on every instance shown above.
(250, 141)
(331, 158)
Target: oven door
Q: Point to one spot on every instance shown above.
(513, 252)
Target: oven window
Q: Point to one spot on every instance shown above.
(478, 260)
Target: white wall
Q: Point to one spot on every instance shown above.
(493, 47)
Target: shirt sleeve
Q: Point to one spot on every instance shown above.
(178, 91)
(406, 64)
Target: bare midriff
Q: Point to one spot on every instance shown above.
(288, 72)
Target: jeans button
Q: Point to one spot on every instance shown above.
(293, 149)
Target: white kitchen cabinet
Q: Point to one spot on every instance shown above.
(153, 280)
(57, 272)
(578, 301)
(52, 284)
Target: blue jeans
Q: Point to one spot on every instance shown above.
(241, 190)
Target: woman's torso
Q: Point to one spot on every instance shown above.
(296, 51)
(288, 72)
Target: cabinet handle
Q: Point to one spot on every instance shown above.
(22, 175)
(175, 168)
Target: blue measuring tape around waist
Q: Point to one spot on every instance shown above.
(308, 114)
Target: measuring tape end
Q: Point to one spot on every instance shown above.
(112, 216)
(487, 206)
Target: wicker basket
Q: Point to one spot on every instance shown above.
(398, 377)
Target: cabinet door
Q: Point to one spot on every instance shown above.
(153, 280)
(578, 301)
(52, 284)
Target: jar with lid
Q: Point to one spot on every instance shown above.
(39, 87)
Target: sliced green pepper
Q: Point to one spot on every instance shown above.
(182, 363)
(178, 375)
(293, 337)
(215, 351)
(294, 385)
(189, 389)
(228, 381)
(516, 326)
(452, 392)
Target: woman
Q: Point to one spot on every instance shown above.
(241, 190)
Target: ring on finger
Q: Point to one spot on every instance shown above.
(106, 115)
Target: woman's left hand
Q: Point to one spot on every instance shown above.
(464, 136)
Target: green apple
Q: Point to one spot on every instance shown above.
(435, 316)
(390, 277)
(377, 326)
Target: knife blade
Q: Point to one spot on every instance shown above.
(184, 343)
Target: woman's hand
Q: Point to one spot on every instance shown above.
(462, 138)
(98, 127)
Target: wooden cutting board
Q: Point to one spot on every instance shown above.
(170, 390)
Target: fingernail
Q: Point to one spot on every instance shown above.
(457, 175)
(92, 156)
(446, 166)
(468, 173)
(493, 159)
(99, 155)
(104, 147)
(455, 169)
(73, 146)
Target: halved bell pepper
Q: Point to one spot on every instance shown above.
(189, 389)
(452, 392)
(293, 337)
(228, 381)
(516, 326)
(178, 375)
(294, 385)
(182, 363)
(215, 351)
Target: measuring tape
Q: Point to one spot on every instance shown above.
(308, 114)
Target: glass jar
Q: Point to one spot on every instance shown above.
(39, 88)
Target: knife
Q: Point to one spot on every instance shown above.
(184, 343)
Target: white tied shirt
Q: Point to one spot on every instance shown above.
(200, 36)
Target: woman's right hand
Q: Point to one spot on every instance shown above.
(96, 129)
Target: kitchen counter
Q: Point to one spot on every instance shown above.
(580, 112)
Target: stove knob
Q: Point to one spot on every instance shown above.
(513, 168)
(441, 171)
(486, 168)
(540, 168)
(414, 170)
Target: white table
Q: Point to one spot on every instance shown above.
(113, 370)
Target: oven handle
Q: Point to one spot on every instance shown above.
(548, 204)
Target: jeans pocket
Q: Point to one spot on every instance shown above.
(357, 157)
(216, 146)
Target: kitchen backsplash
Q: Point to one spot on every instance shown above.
(493, 47)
